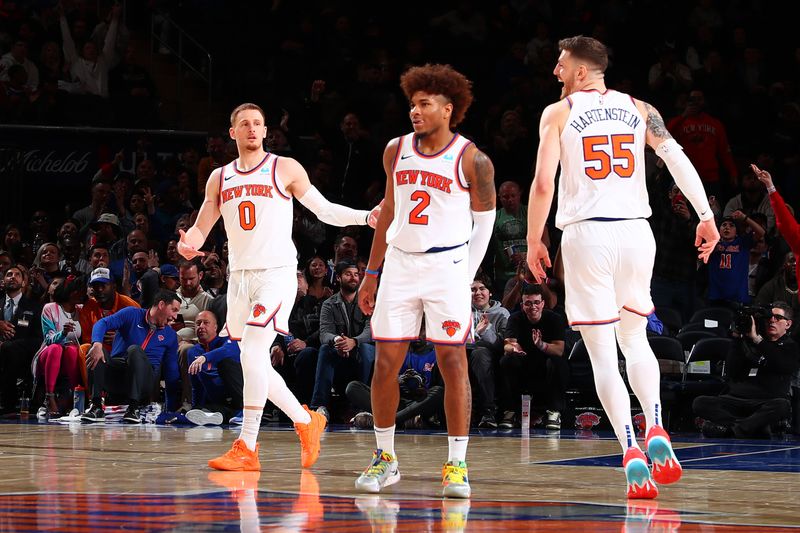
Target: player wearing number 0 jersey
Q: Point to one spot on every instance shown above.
(599, 136)
(253, 194)
(431, 237)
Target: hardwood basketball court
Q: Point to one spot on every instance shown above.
(73, 477)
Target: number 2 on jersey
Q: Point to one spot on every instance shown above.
(247, 215)
(416, 216)
(594, 151)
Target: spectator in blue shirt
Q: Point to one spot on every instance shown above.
(216, 374)
(145, 349)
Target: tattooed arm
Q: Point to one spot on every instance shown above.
(656, 129)
(479, 171)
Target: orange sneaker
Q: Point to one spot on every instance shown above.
(640, 485)
(238, 458)
(309, 437)
(666, 467)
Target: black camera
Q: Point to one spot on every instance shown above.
(412, 385)
(745, 316)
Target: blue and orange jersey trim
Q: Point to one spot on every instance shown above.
(437, 154)
(255, 168)
(463, 185)
(399, 151)
(221, 180)
(278, 184)
(596, 91)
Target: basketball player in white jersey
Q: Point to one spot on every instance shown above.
(253, 194)
(433, 231)
(599, 137)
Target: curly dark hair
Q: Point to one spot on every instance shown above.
(440, 79)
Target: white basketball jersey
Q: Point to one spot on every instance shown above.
(257, 212)
(602, 159)
(431, 197)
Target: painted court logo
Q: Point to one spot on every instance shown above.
(450, 327)
(258, 310)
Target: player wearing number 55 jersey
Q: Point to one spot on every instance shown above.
(253, 194)
(599, 136)
(433, 232)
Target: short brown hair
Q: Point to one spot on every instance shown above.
(587, 49)
(245, 107)
(440, 79)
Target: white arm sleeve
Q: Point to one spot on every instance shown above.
(330, 213)
(482, 226)
(686, 177)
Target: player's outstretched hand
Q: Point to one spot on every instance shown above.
(372, 219)
(366, 295)
(188, 251)
(538, 260)
(706, 238)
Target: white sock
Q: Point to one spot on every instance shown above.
(250, 426)
(457, 448)
(601, 343)
(385, 438)
(255, 368)
(282, 397)
(641, 365)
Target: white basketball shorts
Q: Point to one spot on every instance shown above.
(261, 298)
(607, 268)
(435, 284)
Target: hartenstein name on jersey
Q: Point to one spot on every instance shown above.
(249, 189)
(591, 116)
(426, 179)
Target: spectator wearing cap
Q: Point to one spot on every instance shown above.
(728, 266)
(86, 216)
(104, 300)
(163, 277)
(20, 335)
(144, 350)
(106, 230)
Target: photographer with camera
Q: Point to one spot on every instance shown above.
(759, 367)
(421, 389)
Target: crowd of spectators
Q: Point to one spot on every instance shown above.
(327, 78)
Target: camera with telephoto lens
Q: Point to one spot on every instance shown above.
(745, 316)
(412, 384)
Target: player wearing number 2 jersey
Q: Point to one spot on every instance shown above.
(433, 232)
(253, 194)
(599, 136)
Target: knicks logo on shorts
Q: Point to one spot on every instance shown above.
(450, 327)
(258, 310)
